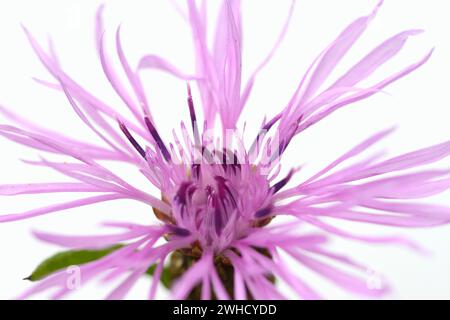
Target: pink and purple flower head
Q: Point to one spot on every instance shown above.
(220, 233)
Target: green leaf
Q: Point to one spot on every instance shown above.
(66, 259)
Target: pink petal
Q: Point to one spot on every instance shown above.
(155, 62)
(99, 241)
(336, 52)
(340, 278)
(374, 59)
(33, 188)
(59, 207)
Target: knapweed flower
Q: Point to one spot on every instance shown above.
(219, 233)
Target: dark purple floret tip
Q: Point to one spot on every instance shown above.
(133, 141)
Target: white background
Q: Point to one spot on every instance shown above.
(419, 105)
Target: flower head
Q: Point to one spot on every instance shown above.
(220, 198)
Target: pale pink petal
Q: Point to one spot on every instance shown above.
(374, 59)
(155, 62)
(54, 187)
(59, 207)
(336, 52)
(88, 242)
(345, 280)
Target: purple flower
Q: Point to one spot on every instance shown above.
(219, 195)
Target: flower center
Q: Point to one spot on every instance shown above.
(208, 203)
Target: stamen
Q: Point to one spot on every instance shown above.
(216, 205)
(263, 131)
(184, 193)
(193, 116)
(133, 141)
(157, 138)
(224, 191)
(263, 212)
(229, 160)
(217, 215)
(280, 184)
(179, 231)
(195, 170)
(285, 142)
(294, 130)
(207, 156)
(181, 194)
